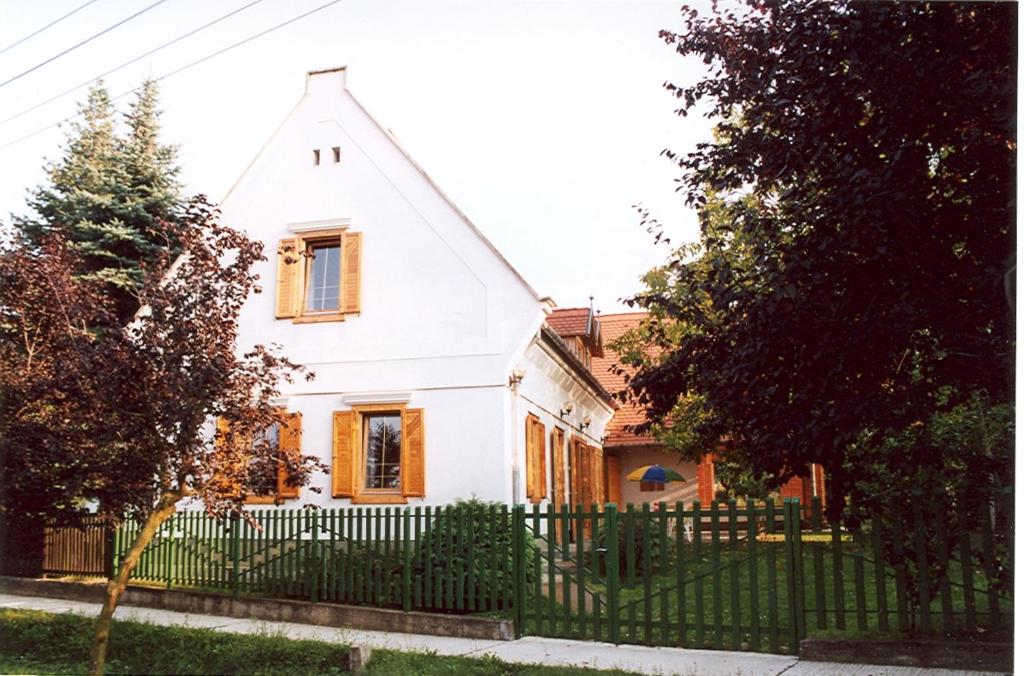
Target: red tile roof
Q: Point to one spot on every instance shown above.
(629, 413)
(570, 321)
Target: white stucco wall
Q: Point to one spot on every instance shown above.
(548, 384)
(433, 291)
(464, 447)
(443, 316)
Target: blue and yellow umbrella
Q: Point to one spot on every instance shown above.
(655, 473)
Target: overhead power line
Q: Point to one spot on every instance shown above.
(128, 63)
(52, 23)
(85, 41)
(183, 68)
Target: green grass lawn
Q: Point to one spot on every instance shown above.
(33, 642)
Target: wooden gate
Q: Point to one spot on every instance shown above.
(87, 550)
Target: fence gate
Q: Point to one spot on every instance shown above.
(84, 551)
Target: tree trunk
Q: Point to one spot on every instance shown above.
(116, 585)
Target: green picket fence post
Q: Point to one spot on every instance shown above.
(923, 577)
(406, 562)
(966, 564)
(755, 620)
(647, 572)
(791, 531)
(680, 526)
(773, 593)
(881, 587)
(698, 580)
(519, 569)
(611, 558)
(236, 532)
(549, 535)
(581, 603)
(988, 561)
(1007, 530)
(716, 574)
(838, 577)
(902, 600)
(798, 557)
(630, 546)
(312, 557)
(734, 576)
(819, 565)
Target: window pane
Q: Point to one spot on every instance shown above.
(382, 439)
(323, 287)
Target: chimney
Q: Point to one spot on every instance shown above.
(331, 79)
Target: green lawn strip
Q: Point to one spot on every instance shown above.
(45, 643)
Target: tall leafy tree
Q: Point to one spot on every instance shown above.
(123, 416)
(851, 293)
(109, 193)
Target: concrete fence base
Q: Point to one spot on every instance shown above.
(946, 654)
(274, 610)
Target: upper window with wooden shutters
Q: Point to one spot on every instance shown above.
(318, 276)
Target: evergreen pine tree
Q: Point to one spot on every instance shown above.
(108, 195)
(152, 174)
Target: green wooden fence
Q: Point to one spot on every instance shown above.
(441, 558)
(756, 577)
(760, 577)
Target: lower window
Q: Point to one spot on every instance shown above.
(382, 448)
(268, 481)
(379, 454)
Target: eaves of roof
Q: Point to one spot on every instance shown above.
(549, 336)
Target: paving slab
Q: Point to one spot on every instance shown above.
(528, 650)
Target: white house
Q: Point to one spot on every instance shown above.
(437, 376)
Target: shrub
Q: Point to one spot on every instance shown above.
(464, 528)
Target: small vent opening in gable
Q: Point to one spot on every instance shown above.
(337, 153)
(316, 157)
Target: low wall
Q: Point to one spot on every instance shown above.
(274, 610)
(946, 654)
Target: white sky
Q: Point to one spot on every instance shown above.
(543, 121)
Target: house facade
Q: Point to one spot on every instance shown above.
(437, 376)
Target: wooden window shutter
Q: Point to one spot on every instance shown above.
(597, 454)
(351, 270)
(536, 475)
(414, 480)
(291, 446)
(540, 448)
(289, 278)
(343, 461)
(531, 460)
(558, 467)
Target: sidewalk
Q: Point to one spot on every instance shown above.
(529, 650)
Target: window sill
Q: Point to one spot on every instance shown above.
(379, 499)
(317, 318)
